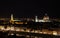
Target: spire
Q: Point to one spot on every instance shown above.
(12, 17)
(36, 18)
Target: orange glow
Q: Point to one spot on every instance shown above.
(19, 22)
(54, 33)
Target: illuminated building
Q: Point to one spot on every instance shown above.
(45, 19)
(12, 19)
(36, 18)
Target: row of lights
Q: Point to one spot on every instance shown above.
(28, 30)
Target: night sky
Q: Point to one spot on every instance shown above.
(28, 8)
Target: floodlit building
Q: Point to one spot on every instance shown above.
(36, 18)
(44, 19)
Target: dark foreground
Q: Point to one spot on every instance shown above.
(5, 35)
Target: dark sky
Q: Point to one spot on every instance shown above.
(28, 8)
